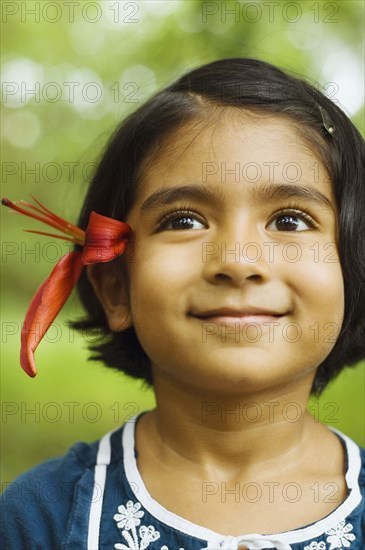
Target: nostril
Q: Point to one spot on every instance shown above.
(254, 276)
(222, 276)
(225, 277)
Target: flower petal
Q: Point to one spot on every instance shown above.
(105, 239)
(46, 304)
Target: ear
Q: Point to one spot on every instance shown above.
(111, 288)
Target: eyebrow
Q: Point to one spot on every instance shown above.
(215, 196)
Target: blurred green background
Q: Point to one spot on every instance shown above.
(71, 71)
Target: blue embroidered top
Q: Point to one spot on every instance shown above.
(94, 498)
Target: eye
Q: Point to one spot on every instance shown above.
(292, 220)
(181, 220)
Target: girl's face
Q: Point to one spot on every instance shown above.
(235, 283)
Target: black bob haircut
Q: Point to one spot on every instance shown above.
(257, 87)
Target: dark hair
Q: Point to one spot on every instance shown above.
(254, 86)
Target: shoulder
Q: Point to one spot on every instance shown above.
(38, 507)
(49, 481)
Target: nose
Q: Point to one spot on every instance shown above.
(244, 257)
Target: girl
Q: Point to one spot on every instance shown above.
(244, 189)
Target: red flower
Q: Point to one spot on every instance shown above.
(104, 239)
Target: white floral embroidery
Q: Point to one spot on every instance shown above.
(128, 519)
(128, 515)
(340, 536)
(164, 547)
(316, 546)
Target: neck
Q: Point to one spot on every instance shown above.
(224, 432)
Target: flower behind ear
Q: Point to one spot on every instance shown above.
(46, 304)
(104, 239)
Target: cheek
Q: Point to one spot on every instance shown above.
(159, 268)
(319, 287)
(327, 283)
(153, 303)
(159, 279)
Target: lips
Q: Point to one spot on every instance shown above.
(244, 312)
(231, 317)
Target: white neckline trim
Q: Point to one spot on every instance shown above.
(102, 461)
(213, 538)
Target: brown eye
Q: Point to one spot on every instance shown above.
(181, 221)
(287, 223)
(293, 221)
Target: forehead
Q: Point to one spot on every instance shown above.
(234, 147)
